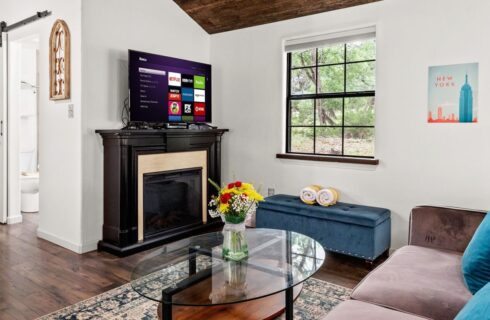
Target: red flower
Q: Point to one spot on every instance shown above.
(225, 197)
(238, 184)
(231, 185)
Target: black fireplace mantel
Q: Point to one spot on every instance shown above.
(121, 151)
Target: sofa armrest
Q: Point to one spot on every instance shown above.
(443, 228)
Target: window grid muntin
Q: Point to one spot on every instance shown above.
(316, 96)
(333, 64)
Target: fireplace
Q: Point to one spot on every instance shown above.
(171, 199)
(156, 186)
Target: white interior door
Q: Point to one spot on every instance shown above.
(3, 127)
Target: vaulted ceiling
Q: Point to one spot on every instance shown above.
(216, 16)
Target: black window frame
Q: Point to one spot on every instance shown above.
(315, 96)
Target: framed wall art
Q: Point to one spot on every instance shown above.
(59, 61)
(453, 93)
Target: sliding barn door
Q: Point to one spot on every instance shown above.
(3, 128)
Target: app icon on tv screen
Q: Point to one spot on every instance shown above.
(164, 89)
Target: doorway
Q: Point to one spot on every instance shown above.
(28, 125)
(23, 165)
(19, 100)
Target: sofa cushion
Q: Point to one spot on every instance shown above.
(476, 258)
(478, 308)
(352, 309)
(417, 280)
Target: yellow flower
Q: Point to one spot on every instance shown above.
(255, 195)
(223, 207)
(232, 191)
(247, 186)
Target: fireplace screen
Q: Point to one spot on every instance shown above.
(171, 199)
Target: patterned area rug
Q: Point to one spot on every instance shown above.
(316, 300)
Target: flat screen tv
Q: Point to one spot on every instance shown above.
(164, 89)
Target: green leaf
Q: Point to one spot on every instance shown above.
(214, 184)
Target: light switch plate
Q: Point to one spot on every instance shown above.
(70, 111)
(270, 192)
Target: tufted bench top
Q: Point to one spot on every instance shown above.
(341, 212)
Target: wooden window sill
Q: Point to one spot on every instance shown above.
(307, 157)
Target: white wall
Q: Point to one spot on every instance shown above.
(420, 163)
(110, 28)
(59, 136)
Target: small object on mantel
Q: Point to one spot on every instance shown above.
(176, 125)
(201, 126)
(163, 126)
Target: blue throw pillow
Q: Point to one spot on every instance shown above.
(478, 308)
(476, 258)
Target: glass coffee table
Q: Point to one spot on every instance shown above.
(191, 280)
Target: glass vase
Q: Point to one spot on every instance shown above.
(233, 286)
(235, 246)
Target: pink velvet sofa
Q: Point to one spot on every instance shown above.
(422, 280)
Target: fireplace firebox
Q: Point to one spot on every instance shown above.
(171, 199)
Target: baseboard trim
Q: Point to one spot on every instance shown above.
(89, 246)
(77, 248)
(14, 219)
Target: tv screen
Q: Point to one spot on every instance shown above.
(164, 89)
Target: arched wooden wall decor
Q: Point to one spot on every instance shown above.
(59, 61)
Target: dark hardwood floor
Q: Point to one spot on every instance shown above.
(38, 277)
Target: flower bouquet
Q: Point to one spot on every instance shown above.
(234, 203)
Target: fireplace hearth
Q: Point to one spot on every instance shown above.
(155, 186)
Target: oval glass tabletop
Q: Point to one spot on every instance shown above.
(192, 272)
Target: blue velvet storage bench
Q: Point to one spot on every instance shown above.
(355, 230)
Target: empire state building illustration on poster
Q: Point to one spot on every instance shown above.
(453, 93)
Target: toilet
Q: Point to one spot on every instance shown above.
(29, 192)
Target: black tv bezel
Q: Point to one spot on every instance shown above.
(138, 123)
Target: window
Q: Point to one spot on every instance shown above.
(331, 97)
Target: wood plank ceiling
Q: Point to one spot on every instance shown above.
(216, 16)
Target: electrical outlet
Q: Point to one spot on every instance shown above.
(270, 192)
(71, 113)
